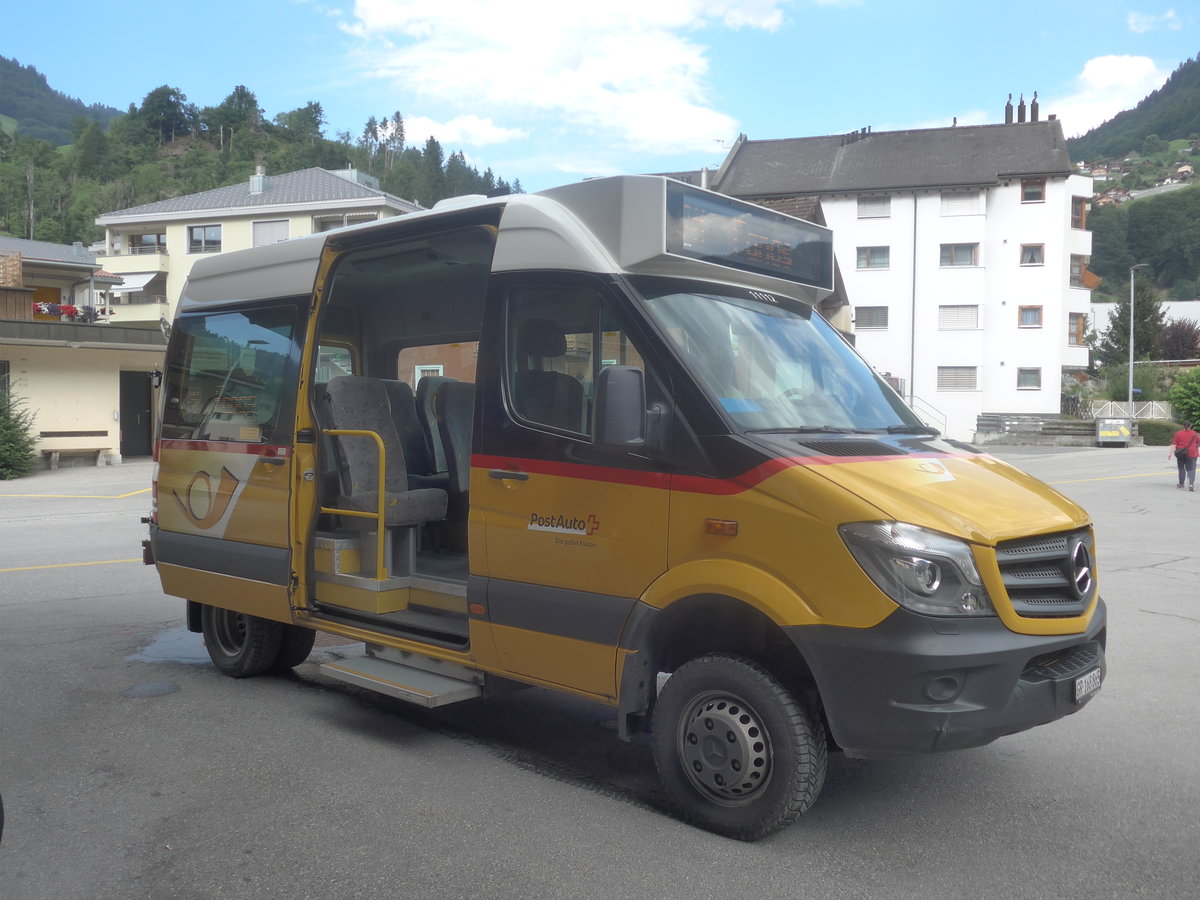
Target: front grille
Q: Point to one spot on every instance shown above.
(852, 447)
(1050, 576)
(1063, 663)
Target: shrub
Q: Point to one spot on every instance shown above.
(1157, 432)
(17, 441)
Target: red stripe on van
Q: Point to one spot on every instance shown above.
(225, 447)
(693, 484)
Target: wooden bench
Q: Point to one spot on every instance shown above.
(54, 455)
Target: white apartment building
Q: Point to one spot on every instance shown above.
(964, 252)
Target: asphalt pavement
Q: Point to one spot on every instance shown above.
(131, 769)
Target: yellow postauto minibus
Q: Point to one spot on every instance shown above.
(597, 440)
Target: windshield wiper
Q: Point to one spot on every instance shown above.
(807, 429)
(913, 429)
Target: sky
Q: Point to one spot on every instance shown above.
(551, 92)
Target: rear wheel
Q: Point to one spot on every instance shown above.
(240, 645)
(736, 751)
(294, 647)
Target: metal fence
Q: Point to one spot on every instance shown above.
(1142, 409)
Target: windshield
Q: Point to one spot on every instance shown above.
(773, 364)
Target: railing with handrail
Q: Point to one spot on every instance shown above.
(379, 514)
(927, 412)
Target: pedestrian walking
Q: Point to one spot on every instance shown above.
(1185, 447)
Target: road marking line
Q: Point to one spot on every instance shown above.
(102, 562)
(1111, 478)
(79, 496)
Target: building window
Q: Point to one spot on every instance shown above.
(1033, 254)
(147, 243)
(328, 223)
(962, 203)
(1079, 208)
(1029, 317)
(956, 378)
(878, 207)
(4, 387)
(204, 239)
(870, 318)
(960, 255)
(1077, 329)
(1029, 379)
(270, 232)
(873, 257)
(958, 318)
(1033, 190)
(1078, 268)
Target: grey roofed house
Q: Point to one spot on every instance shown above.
(69, 255)
(961, 156)
(308, 187)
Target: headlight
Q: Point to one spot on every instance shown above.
(920, 569)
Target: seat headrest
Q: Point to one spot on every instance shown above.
(541, 338)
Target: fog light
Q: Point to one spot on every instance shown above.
(943, 688)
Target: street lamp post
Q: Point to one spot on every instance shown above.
(1132, 270)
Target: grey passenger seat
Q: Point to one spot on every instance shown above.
(361, 404)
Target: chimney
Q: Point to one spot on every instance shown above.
(258, 180)
(1021, 110)
(1008, 111)
(1033, 108)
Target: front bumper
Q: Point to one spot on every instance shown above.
(921, 684)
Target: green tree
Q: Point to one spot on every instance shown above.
(1185, 395)
(1148, 324)
(305, 123)
(1153, 144)
(164, 112)
(17, 441)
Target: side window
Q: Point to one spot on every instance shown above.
(558, 340)
(231, 376)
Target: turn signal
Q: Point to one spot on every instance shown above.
(721, 527)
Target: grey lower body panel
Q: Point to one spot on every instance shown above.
(254, 562)
(918, 684)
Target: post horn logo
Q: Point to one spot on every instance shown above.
(203, 504)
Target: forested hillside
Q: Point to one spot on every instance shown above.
(38, 109)
(166, 147)
(1163, 231)
(1172, 112)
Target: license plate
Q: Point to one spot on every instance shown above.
(1086, 685)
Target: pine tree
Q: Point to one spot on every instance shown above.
(16, 439)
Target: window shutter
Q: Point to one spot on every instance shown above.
(956, 378)
(958, 318)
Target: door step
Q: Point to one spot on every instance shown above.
(404, 682)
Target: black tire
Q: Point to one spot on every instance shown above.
(239, 645)
(736, 752)
(294, 647)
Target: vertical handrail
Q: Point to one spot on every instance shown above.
(379, 515)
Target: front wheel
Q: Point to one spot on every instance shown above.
(735, 750)
(240, 645)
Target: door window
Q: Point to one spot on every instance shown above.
(559, 338)
(232, 376)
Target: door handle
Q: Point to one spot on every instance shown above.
(272, 460)
(507, 475)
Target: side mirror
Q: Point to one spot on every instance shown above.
(619, 414)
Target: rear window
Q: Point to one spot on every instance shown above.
(231, 376)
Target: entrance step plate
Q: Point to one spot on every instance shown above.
(403, 682)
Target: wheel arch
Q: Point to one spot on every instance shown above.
(660, 640)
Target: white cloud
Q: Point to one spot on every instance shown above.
(1140, 23)
(1106, 86)
(629, 72)
(467, 129)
